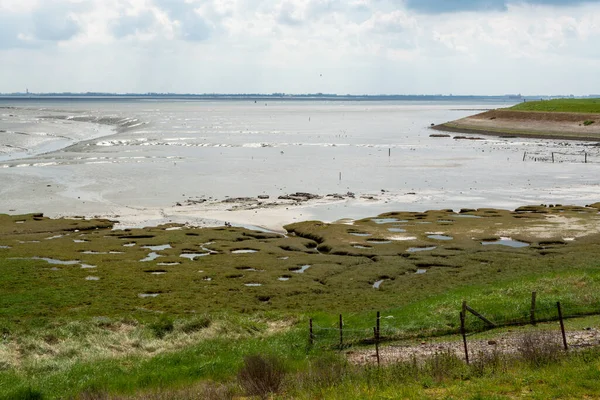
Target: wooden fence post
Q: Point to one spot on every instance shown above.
(464, 336)
(341, 332)
(562, 326)
(378, 326)
(311, 336)
(532, 313)
(376, 335)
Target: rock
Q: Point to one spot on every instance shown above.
(299, 196)
(263, 197)
(492, 342)
(239, 200)
(439, 135)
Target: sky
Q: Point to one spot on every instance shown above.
(301, 46)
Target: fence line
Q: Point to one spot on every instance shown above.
(345, 335)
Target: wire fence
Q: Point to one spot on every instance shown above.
(351, 330)
(587, 157)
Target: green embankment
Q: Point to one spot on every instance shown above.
(561, 105)
(64, 335)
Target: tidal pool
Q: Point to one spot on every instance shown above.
(417, 249)
(505, 242)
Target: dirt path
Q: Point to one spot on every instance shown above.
(507, 343)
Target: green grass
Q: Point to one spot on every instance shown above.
(62, 335)
(561, 105)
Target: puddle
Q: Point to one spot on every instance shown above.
(87, 266)
(253, 284)
(207, 279)
(466, 216)
(565, 239)
(360, 234)
(145, 295)
(54, 269)
(377, 284)
(421, 271)
(193, 256)
(92, 278)
(129, 244)
(19, 222)
(101, 252)
(5, 247)
(151, 257)
(28, 241)
(156, 272)
(283, 258)
(385, 220)
(416, 249)
(423, 222)
(358, 246)
(397, 230)
(54, 237)
(168, 264)
(445, 221)
(57, 262)
(440, 237)
(300, 270)
(159, 247)
(284, 278)
(250, 269)
(174, 228)
(506, 242)
(79, 241)
(379, 241)
(244, 251)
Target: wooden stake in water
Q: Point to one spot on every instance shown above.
(389, 152)
(340, 176)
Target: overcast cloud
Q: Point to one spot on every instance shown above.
(300, 46)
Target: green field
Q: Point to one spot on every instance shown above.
(86, 313)
(561, 105)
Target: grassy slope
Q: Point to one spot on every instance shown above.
(561, 105)
(63, 335)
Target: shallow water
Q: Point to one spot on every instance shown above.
(417, 249)
(440, 237)
(506, 242)
(168, 151)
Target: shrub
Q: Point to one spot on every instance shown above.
(195, 324)
(261, 375)
(588, 122)
(161, 327)
(539, 348)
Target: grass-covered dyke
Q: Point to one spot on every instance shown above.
(63, 334)
(569, 119)
(561, 105)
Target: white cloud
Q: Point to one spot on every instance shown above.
(358, 46)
